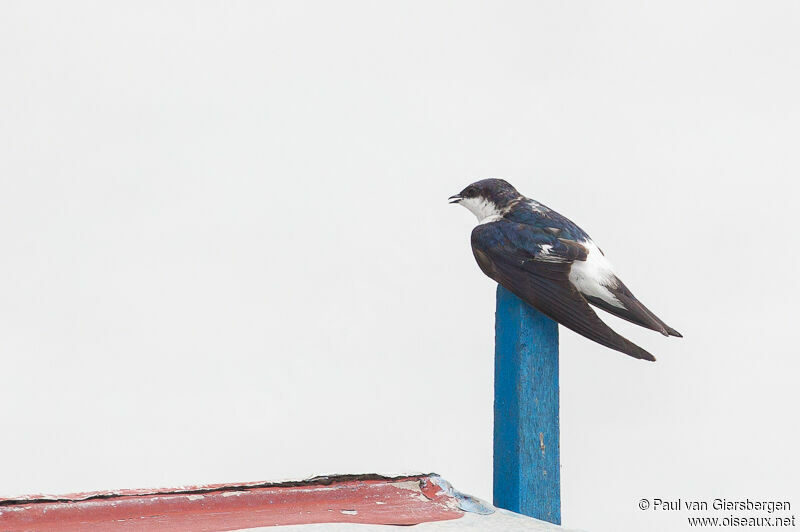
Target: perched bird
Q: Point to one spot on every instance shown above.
(551, 264)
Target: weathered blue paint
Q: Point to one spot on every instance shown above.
(527, 479)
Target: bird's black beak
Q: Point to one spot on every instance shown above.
(454, 199)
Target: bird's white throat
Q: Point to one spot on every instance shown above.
(485, 210)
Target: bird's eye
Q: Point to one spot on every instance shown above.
(470, 191)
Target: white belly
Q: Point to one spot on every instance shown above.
(593, 276)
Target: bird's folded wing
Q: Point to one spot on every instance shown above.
(535, 265)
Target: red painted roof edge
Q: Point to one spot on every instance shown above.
(368, 499)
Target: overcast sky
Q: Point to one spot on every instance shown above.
(227, 252)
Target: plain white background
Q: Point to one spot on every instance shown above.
(227, 253)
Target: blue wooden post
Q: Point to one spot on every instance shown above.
(526, 446)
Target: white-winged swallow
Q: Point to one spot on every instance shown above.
(550, 263)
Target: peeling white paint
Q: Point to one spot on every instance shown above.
(462, 501)
(409, 485)
(349, 512)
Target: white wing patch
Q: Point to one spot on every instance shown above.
(536, 206)
(593, 276)
(545, 254)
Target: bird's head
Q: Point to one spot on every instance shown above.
(487, 197)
